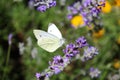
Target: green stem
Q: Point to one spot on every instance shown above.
(7, 60)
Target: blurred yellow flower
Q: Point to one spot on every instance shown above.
(116, 64)
(107, 7)
(98, 34)
(77, 21)
(118, 40)
(119, 22)
(117, 3)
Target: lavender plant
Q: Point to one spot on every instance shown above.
(94, 72)
(43, 5)
(22, 65)
(10, 36)
(113, 76)
(58, 63)
(89, 9)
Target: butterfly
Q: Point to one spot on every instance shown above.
(50, 40)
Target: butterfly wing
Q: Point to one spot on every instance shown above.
(47, 41)
(52, 29)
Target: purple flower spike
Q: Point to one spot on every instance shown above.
(38, 75)
(10, 39)
(70, 8)
(87, 3)
(81, 42)
(42, 5)
(71, 50)
(56, 69)
(74, 11)
(57, 60)
(56, 64)
(94, 72)
(90, 52)
(42, 8)
(52, 4)
(69, 16)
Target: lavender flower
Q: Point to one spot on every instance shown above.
(113, 77)
(55, 69)
(58, 64)
(43, 5)
(38, 75)
(42, 8)
(69, 16)
(71, 50)
(31, 4)
(90, 52)
(52, 4)
(42, 76)
(10, 39)
(89, 9)
(81, 42)
(57, 60)
(94, 72)
(87, 3)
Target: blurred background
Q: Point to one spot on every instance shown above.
(18, 18)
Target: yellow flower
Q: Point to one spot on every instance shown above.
(107, 7)
(117, 3)
(98, 34)
(77, 21)
(118, 22)
(118, 40)
(116, 64)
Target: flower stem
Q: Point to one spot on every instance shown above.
(7, 60)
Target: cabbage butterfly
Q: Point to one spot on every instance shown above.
(50, 40)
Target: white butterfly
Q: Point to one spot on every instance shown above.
(50, 40)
